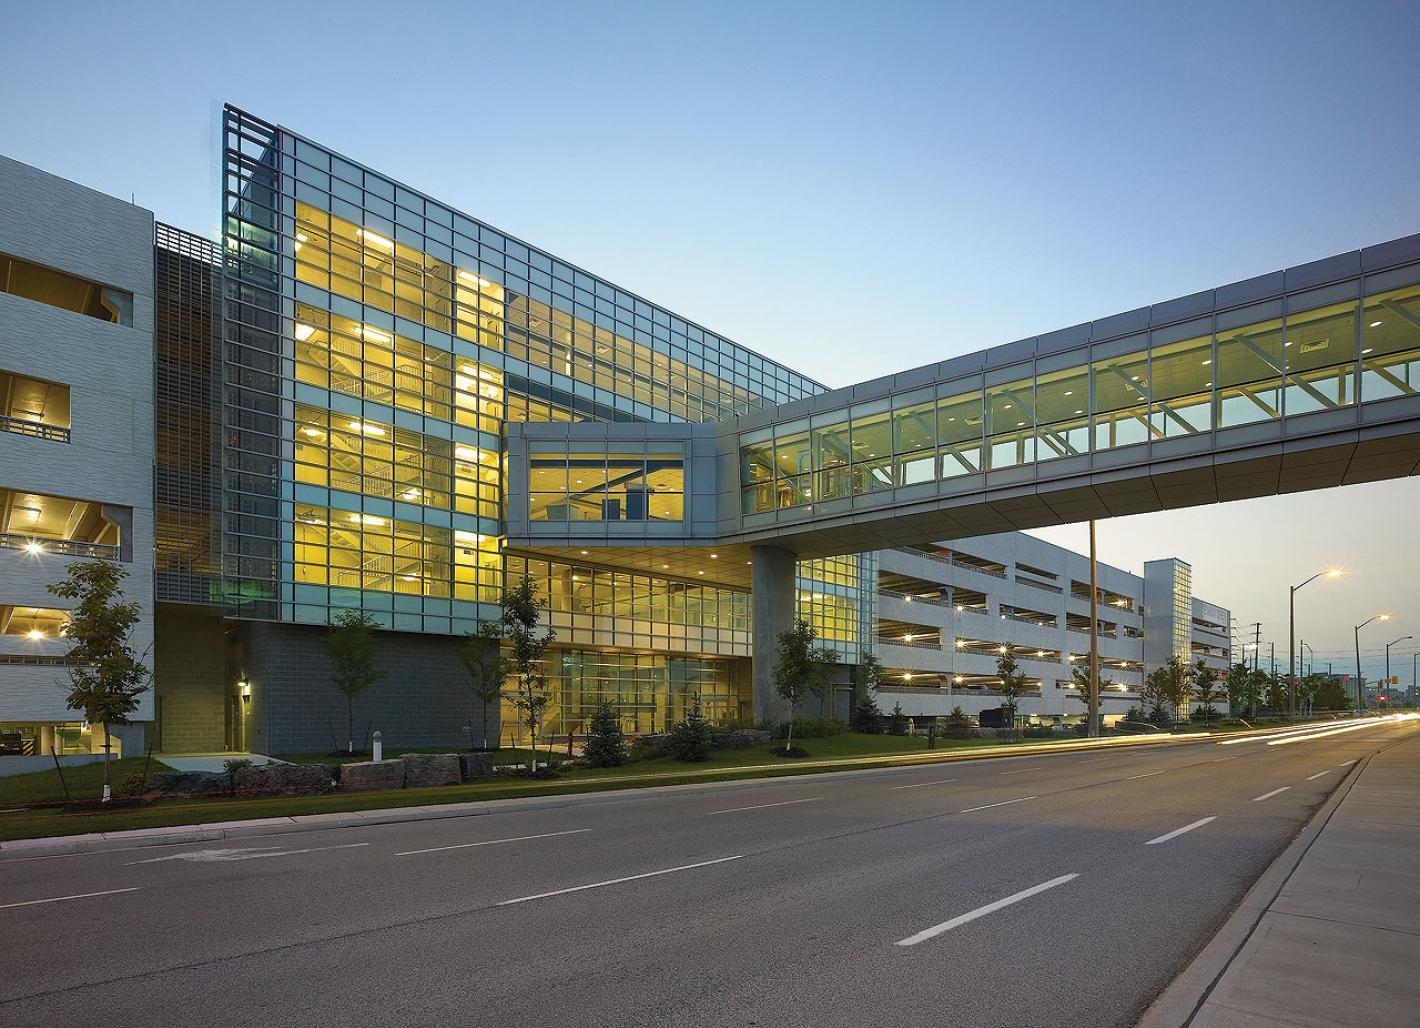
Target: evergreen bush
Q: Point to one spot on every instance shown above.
(606, 744)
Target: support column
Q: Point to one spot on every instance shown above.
(772, 603)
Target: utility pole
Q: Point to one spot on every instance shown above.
(1094, 697)
(1256, 652)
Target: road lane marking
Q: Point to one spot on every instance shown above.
(1221, 759)
(1146, 774)
(1269, 795)
(961, 919)
(1093, 760)
(988, 806)
(1179, 831)
(1022, 770)
(61, 899)
(1346, 763)
(761, 806)
(1311, 778)
(492, 842)
(246, 853)
(618, 881)
(920, 785)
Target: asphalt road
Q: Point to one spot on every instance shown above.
(1049, 890)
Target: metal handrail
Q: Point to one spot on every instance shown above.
(925, 644)
(63, 547)
(37, 429)
(950, 560)
(911, 598)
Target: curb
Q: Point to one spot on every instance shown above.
(1176, 1005)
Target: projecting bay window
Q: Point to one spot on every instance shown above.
(606, 487)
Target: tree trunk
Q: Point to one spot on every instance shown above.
(108, 752)
(350, 725)
(485, 726)
(789, 738)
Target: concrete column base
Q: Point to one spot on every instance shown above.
(772, 583)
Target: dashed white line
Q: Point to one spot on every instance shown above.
(61, 899)
(1346, 763)
(762, 806)
(1179, 831)
(1269, 795)
(1219, 760)
(618, 881)
(1146, 774)
(1022, 770)
(961, 919)
(491, 842)
(988, 806)
(1312, 778)
(922, 785)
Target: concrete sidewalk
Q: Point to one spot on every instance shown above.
(1330, 934)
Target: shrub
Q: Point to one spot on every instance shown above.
(897, 721)
(131, 786)
(1038, 732)
(643, 748)
(866, 716)
(230, 768)
(606, 745)
(691, 738)
(813, 728)
(956, 725)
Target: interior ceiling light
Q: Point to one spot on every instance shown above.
(374, 238)
(304, 331)
(1375, 324)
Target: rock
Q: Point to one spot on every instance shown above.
(475, 765)
(739, 739)
(189, 783)
(423, 770)
(284, 780)
(372, 774)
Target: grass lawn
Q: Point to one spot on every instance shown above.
(507, 755)
(85, 782)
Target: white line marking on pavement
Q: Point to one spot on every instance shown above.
(60, 899)
(920, 785)
(761, 806)
(618, 881)
(1311, 778)
(247, 853)
(1269, 795)
(1146, 774)
(1021, 771)
(1221, 759)
(1094, 760)
(946, 926)
(988, 806)
(491, 842)
(1346, 763)
(1179, 831)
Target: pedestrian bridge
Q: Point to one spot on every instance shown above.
(1300, 379)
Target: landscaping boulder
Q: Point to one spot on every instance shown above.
(422, 770)
(284, 780)
(739, 739)
(189, 783)
(475, 765)
(373, 774)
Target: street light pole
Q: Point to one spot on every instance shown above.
(1387, 663)
(1360, 693)
(1292, 638)
(1094, 697)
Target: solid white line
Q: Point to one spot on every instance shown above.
(1317, 775)
(249, 853)
(919, 785)
(1346, 763)
(1147, 774)
(761, 806)
(618, 881)
(60, 899)
(946, 926)
(988, 806)
(491, 842)
(1269, 795)
(1179, 831)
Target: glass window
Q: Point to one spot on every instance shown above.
(832, 455)
(1010, 427)
(914, 433)
(1248, 372)
(793, 462)
(1181, 384)
(1390, 344)
(1321, 359)
(1121, 392)
(959, 431)
(1062, 407)
(872, 453)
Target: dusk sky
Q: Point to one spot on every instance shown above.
(849, 190)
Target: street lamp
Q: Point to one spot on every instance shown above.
(1292, 637)
(1360, 695)
(1387, 662)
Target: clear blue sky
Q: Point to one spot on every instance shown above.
(849, 189)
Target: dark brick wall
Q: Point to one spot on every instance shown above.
(424, 698)
(189, 680)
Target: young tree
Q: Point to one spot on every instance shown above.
(801, 670)
(867, 717)
(1013, 681)
(1329, 694)
(1155, 694)
(897, 721)
(519, 625)
(691, 737)
(606, 745)
(106, 677)
(1239, 688)
(1206, 688)
(482, 656)
(1080, 678)
(350, 647)
(956, 725)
